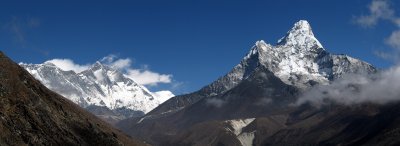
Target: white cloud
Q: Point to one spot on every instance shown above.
(353, 89)
(379, 10)
(143, 76)
(379, 88)
(394, 40)
(68, 64)
(147, 77)
(99, 75)
(109, 58)
(121, 63)
(215, 102)
(117, 63)
(383, 10)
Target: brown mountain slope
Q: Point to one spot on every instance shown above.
(273, 123)
(31, 114)
(361, 124)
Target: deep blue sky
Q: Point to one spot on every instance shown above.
(195, 41)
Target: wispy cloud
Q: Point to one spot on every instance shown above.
(379, 88)
(68, 65)
(394, 40)
(378, 10)
(382, 10)
(147, 77)
(177, 85)
(15, 26)
(18, 27)
(215, 102)
(118, 63)
(142, 75)
(33, 22)
(357, 88)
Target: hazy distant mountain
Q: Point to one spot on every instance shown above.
(101, 89)
(31, 114)
(254, 103)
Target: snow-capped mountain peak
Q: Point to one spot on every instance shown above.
(298, 60)
(300, 36)
(97, 65)
(99, 85)
(101, 73)
(303, 26)
(49, 64)
(261, 45)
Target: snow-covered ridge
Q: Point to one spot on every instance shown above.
(299, 59)
(100, 85)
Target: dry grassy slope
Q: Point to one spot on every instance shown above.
(31, 114)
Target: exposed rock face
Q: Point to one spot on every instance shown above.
(31, 114)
